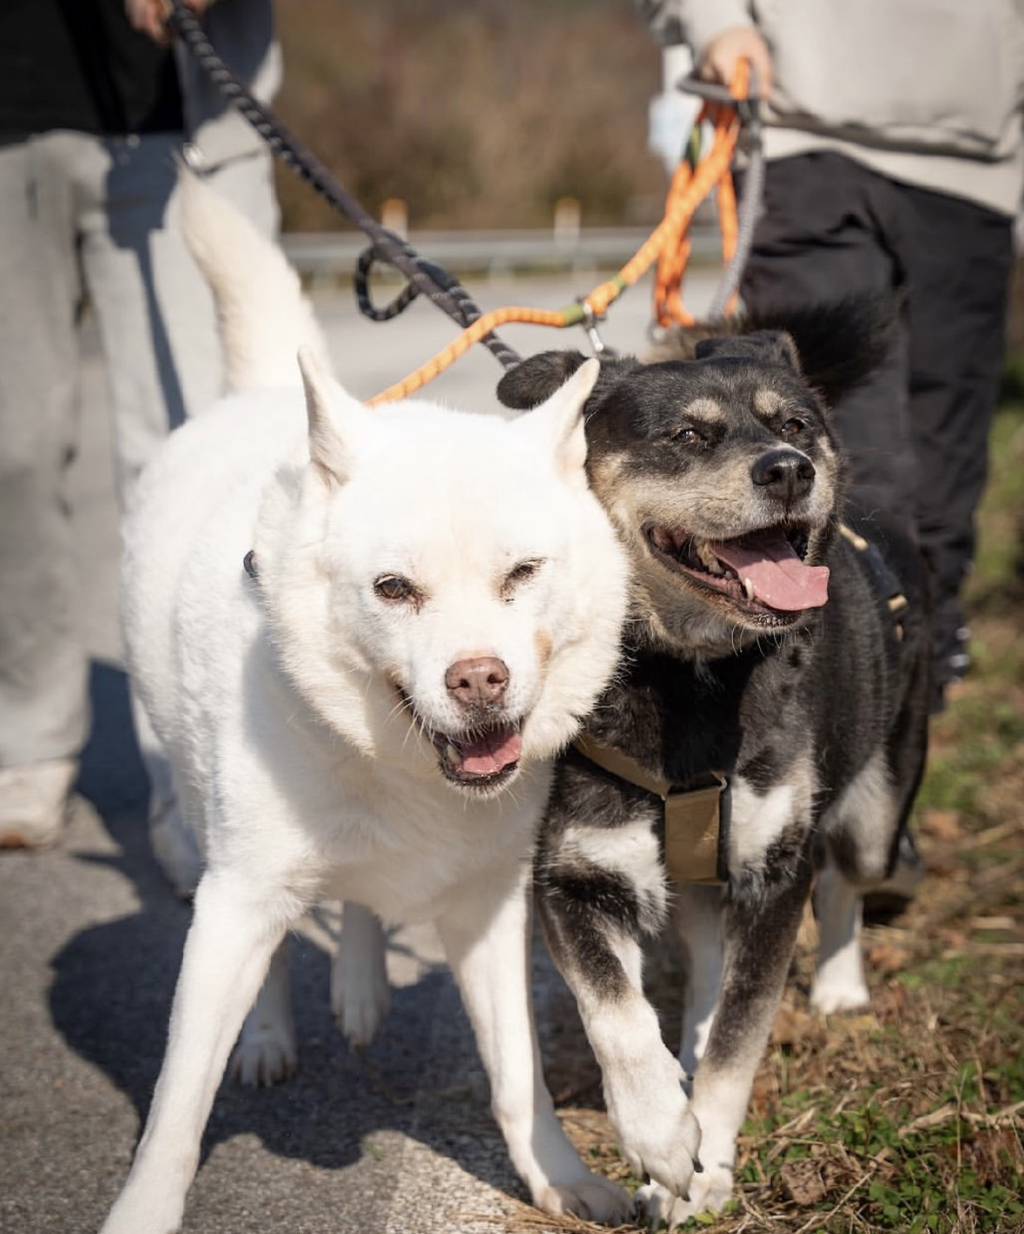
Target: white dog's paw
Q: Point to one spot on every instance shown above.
(264, 1056)
(590, 1197)
(709, 1193)
(657, 1132)
(829, 997)
(360, 998)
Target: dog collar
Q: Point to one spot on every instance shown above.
(695, 820)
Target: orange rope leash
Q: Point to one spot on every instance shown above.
(668, 245)
(669, 309)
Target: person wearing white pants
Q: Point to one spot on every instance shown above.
(93, 114)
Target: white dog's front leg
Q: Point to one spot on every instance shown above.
(487, 941)
(227, 952)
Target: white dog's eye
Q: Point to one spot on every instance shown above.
(520, 573)
(395, 588)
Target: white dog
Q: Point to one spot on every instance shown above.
(430, 603)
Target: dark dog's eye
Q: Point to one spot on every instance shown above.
(520, 574)
(689, 437)
(395, 588)
(793, 427)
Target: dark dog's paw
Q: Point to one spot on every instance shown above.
(709, 1193)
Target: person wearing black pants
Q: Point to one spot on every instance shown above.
(894, 163)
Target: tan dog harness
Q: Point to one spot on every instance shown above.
(696, 819)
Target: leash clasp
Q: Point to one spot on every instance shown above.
(589, 323)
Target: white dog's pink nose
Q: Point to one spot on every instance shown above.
(477, 682)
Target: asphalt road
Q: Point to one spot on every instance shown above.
(399, 1140)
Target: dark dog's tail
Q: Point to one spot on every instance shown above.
(839, 342)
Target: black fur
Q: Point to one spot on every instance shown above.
(809, 703)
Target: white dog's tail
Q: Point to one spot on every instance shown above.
(264, 317)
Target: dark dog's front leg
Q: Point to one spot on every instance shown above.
(600, 891)
(760, 917)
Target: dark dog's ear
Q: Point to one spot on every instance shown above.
(839, 343)
(538, 377)
(762, 346)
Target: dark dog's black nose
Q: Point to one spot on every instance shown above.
(786, 475)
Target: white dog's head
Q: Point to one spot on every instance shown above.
(444, 589)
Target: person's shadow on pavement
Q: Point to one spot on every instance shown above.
(113, 983)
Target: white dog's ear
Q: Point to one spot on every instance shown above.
(560, 419)
(336, 420)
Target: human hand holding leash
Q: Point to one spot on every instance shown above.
(719, 59)
(150, 16)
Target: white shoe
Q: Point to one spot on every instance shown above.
(34, 802)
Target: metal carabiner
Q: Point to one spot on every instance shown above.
(589, 323)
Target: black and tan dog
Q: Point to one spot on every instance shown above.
(721, 473)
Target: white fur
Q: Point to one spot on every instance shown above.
(867, 812)
(698, 919)
(643, 1082)
(266, 1052)
(758, 819)
(626, 851)
(867, 809)
(360, 995)
(719, 1105)
(839, 981)
(276, 698)
(263, 316)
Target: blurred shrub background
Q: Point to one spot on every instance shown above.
(477, 114)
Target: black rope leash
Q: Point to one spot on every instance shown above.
(424, 278)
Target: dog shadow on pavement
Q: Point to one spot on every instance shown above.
(113, 983)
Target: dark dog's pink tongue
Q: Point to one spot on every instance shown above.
(491, 753)
(779, 578)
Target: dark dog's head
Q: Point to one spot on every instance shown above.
(720, 470)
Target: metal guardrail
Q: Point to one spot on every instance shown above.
(332, 255)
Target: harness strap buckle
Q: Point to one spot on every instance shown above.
(697, 832)
(694, 820)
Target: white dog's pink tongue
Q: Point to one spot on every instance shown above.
(490, 753)
(778, 576)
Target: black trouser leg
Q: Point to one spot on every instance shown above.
(916, 433)
(823, 236)
(959, 258)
